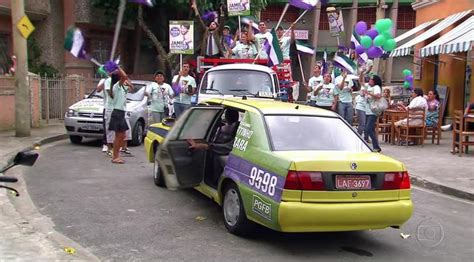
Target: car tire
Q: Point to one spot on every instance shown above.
(75, 139)
(235, 219)
(137, 134)
(158, 174)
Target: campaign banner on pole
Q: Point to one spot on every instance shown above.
(336, 22)
(181, 37)
(238, 7)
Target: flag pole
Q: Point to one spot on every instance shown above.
(93, 60)
(240, 27)
(180, 62)
(296, 21)
(282, 15)
(118, 25)
(301, 67)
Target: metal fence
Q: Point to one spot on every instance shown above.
(59, 93)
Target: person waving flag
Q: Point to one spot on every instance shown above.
(304, 4)
(273, 50)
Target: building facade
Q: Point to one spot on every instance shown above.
(453, 70)
(52, 18)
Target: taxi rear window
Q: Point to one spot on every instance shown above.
(297, 132)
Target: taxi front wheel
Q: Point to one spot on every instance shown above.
(235, 219)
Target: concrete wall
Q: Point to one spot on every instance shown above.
(451, 72)
(7, 102)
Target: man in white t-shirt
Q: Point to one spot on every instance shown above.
(159, 93)
(285, 41)
(186, 85)
(260, 38)
(313, 82)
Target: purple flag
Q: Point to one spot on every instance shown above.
(143, 2)
(304, 4)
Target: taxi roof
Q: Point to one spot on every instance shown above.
(243, 66)
(268, 106)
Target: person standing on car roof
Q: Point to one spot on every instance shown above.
(313, 82)
(259, 38)
(186, 85)
(159, 94)
(118, 123)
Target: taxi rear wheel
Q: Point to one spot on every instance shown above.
(235, 219)
(158, 174)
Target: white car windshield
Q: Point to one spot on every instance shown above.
(299, 132)
(236, 82)
(136, 95)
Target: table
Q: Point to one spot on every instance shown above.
(391, 116)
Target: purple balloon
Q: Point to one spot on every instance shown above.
(372, 33)
(409, 78)
(361, 27)
(374, 52)
(360, 49)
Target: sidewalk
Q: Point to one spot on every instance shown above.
(33, 235)
(25, 233)
(434, 167)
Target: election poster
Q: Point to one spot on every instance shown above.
(182, 37)
(238, 7)
(336, 23)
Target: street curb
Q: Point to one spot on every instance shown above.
(47, 140)
(46, 228)
(421, 182)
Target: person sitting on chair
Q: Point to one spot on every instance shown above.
(222, 144)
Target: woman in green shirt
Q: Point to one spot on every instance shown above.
(118, 95)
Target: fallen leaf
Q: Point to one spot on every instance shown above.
(200, 218)
(70, 250)
(404, 236)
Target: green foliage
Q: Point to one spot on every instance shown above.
(34, 60)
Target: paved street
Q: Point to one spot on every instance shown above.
(117, 213)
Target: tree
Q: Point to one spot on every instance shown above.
(156, 26)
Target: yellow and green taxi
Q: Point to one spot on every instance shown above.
(293, 168)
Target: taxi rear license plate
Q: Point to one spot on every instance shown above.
(353, 182)
(92, 128)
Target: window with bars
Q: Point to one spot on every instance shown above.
(406, 18)
(273, 12)
(100, 49)
(367, 14)
(323, 20)
(5, 60)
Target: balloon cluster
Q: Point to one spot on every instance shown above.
(408, 84)
(376, 40)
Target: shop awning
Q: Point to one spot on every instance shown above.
(436, 46)
(406, 48)
(461, 44)
(413, 31)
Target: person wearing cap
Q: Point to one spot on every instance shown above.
(159, 94)
(211, 40)
(227, 40)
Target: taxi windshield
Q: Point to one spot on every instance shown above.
(299, 132)
(236, 82)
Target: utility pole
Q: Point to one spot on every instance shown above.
(379, 15)
(22, 89)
